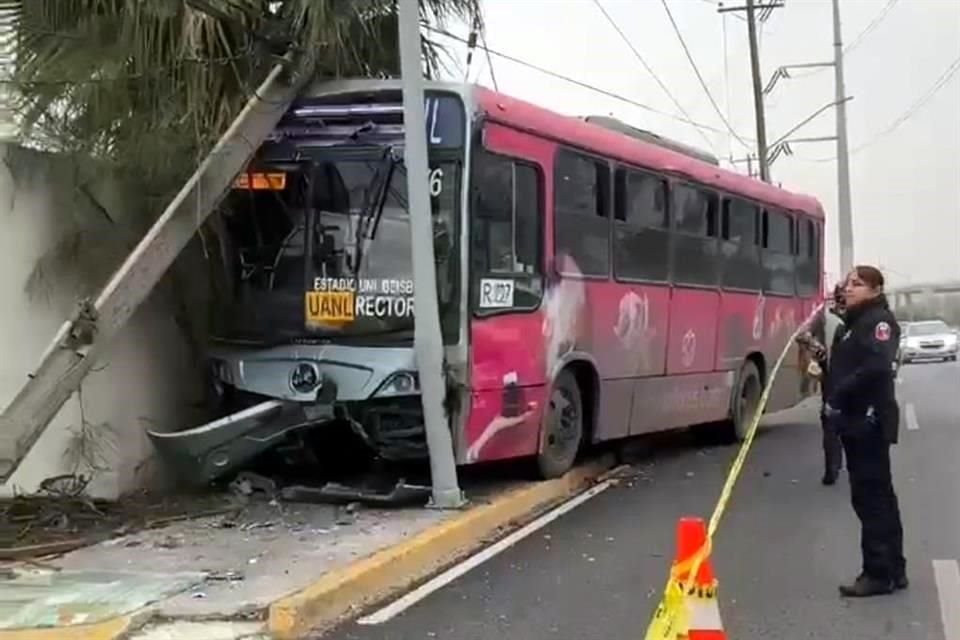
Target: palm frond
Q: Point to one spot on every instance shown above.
(145, 87)
(147, 84)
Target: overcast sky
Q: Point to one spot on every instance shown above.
(905, 182)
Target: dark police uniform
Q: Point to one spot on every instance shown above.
(861, 399)
(832, 448)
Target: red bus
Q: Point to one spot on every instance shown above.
(594, 283)
(672, 285)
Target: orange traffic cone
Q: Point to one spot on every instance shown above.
(702, 608)
(689, 609)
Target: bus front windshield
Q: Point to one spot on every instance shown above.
(329, 256)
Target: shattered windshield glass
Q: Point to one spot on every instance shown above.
(329, 255)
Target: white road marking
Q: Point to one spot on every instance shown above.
(912, 423)
(947, 576)
(402, 604)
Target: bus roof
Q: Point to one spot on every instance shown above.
(590, 137)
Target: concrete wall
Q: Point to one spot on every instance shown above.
(65, 228)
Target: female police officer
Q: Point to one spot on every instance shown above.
(860, 397)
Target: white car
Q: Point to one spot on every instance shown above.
(928, 340)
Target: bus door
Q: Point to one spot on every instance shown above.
(507, 226)
(783, 310)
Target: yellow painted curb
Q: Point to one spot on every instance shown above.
(106, 630)
(345, 590)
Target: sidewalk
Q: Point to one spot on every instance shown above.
(277, 570)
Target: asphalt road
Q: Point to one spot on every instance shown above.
(784, 545)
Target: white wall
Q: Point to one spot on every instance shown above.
(146, 376)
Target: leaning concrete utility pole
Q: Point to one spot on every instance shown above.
(81, 339)
(844, 207)
(427, 340)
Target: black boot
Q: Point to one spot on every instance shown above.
(829, 477)
(900, 575)
(865, 586)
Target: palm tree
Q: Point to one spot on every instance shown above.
(144, 84)
(145, 88)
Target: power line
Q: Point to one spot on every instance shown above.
(696, 70)
(493, 77)
(718, 3)
(579, 83)
(722, 71)
(653, 74)
(928, 95)
(870, 27)
(860, 36)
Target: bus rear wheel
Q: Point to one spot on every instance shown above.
(745, 402)
(562, 428)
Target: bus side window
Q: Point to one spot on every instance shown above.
(778, 250)
(808, 249)
(582, 211)
(741, 252)
(696, 229)
(506, 230)
(641, 234)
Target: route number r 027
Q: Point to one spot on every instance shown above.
(496, 293)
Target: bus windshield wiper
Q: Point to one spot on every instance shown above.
(374, 202)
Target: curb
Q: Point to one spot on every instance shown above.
(110, 629)
(342, 592)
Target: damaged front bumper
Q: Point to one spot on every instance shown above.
(287, 389)
(218, 447)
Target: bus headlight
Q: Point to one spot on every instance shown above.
(402, 383)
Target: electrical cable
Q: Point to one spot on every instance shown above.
(580, 83)
(653, 74)
(859, 38)
(696, 70)
(928, 95)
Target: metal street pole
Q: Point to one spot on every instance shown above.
(428, 343)
(757, 92)
(844, 207)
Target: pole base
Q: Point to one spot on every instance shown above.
(444, 499)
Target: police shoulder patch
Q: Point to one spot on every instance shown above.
(882, 332)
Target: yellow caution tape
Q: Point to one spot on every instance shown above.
(670, 619)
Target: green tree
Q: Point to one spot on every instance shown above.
(142, 89)
(144, 84)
